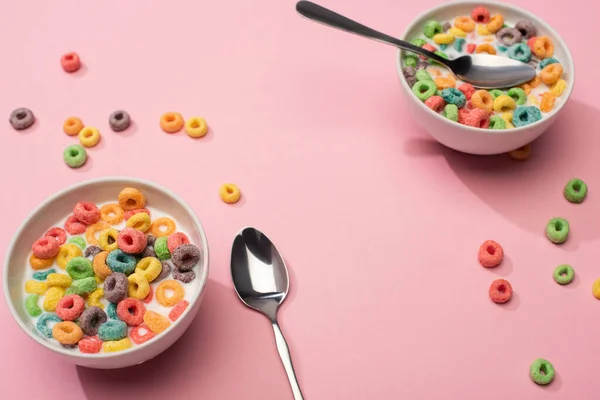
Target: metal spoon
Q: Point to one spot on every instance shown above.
(481, 70)
(261, 281)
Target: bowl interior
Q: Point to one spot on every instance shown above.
(59, 206)
(512, 15)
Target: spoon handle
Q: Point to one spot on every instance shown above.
(286, 359)
(325, 16)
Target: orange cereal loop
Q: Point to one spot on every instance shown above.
(111, 213)
(38, 263)
(176, 296)
(445, 82)
(93, 230)
(543, 47)
(229, 193)
(489, 39)
(526, 88)
(521, 154)
(496, 23)
(535, 82)
(465, 23)
(162, 227)
(156, 322)
(171, 122)
(131, 199)
(435, 72)
(551, 73)
(486, 48)
(72, 126)
(99, 264)
(67, 332)
(547, 103)
(482, 99)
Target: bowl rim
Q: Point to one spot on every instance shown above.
(535, 18)
(126, 181)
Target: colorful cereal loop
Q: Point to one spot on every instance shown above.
(67, 332)
(230, 193)
(177, 293)
(141, 334)
(178, 309)
(53, 296)
(72, 126)
(457, 32)
(547, 103)
(564, 274)
(89, 136)
(39, 263)
(504, 103)
(496, 23)
(559, 87)
(70, 307)
(95, 297)
(138, 286)
(432, 28)
(31, 305)
(156, 322)
(111, 213)
(116, 345)
(44, 321)
(486, 48)
(93, 230)
(171, 122)
(100, 267)
(60, 280)
(196, 127)
(500, 291)
(465, 24)
(131, 199)
(443, 38)
(140, 221)
(445, 82)
(36, 287)
(575, 191)
(541, 371)
(90, 345)
(483, 31)
(551, 74)
(483, 100)
(163, 226)
(107, 240)
(149, 267)
(543, 47)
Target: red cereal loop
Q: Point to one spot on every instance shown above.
(150, 296)
(73, 226)
(480, 15)
(500, 291)
(86, 212)
(70, 307)
(131, 241)
(57, 233)
(429, 47)
(467, 90)
(138, 337)
(70, 62)
(436, 103)
(490, 254)
(178, 309)
(45, 248)
(131, 311)
(477, 118)
(463, 113)
(177, 239)
(471, 48)
(531, 42)
(129, 213)
(90, 344)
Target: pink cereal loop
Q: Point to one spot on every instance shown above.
(436, 103)
(429, 47)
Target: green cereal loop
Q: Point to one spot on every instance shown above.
(496, 122)
(518, 95)
(423, 75)
(443, 46)
(501, 48)
(160, 245)
(441, 54)
(418, 42)
(31, 305)
(459, 43)
(75, 156)
(80, 268)
(451, 112)
(423, 90)
(541, 371)
(495, 92)
(432, 28)
(575, 190)
(82, 286)
(557, 230)
(78, 240)
(410, 60)
(43, 275)
(564, 274)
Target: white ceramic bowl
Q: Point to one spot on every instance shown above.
(60, 205)
(484, 141)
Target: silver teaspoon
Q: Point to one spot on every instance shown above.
(261, 281)
(481, 70)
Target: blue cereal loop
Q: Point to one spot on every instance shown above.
(526, 115)
(459, 43)
(547, 61)
(42, 275)
(112, 330)
(43, 321)
(118, 261)
(520, 52)
(111, 311)
(454, 96)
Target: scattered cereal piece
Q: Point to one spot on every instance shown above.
(92, 230)
(557, 230)
(196, 127)
(92, 252)
(575, 191)
(523, 116)
(177, 293)
(175, 240)
(184, 276)
(490, 254)
(170, 122)
(75, 156)
(21, 118)
(186, 256)
(480, 15)
(72, 126)
(57, 233)
(100, 266)
(130, 213)
(74, 226)
(508, 36)
(526, 28)
(131, 240)
(89, 136)
(521, 154)
(596, 289)
(95, 297)
(82, 286)
(564, 274)
(161, 249)
(165, 272)
(229, 193)
(70, 62)
(500, 291)
(432, 28)
(541, 371)
(119, 120)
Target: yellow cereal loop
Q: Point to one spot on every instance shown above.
(138, 286)
(107, 240)
(559, 87)
(482, 30)
(196, 127)
(53, 296)
(458, 32)
(443, 38)
(504, 103)
(156, 322)
(93, 230)
(596, 289)
(532, 98)
(94, 298)
(507, 117)
(140, 221)
(59, 280)
(521, 154)
(89, 136)
(229, 193)
(116, 345)
(66, 252)
(38, 263)
(36, 287)
(98, 279)
(149, 267)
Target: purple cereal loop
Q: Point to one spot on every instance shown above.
(408, 71)
(119, 120)
(91, 319)
(184, 276)
(186, 256)
(150, 240)
(422, 64)
(148, 252)
(116, 286)
(527, 29)
(92, 251)
(446, 26)
(509, 36)
(165, 272)
(21, 118)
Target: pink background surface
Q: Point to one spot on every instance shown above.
(380, 225)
